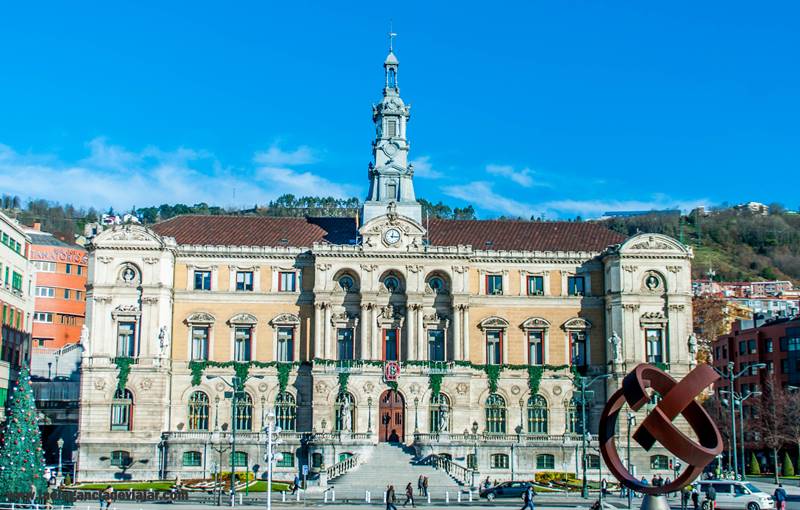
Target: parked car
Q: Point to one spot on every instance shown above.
(734, 495)
(506, 490)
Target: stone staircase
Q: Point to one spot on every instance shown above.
(391, 464)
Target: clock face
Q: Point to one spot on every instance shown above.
(391, 236)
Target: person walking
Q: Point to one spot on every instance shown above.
(419, 484)
(711, 497)
(527, 498)
(295, 484)
(409, 496)
(686, 493)
(603, 486)
(425, 486)
(780, 497)
(390, 498)
(696, 497)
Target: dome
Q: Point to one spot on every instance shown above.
(391, 59)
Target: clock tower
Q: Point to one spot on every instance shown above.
(391, 184)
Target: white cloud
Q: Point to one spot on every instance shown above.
(424, 169)
(522, 177)
(482, 195)
(275, 156)
(113, 176)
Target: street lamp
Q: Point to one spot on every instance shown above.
(584, 382)
(416, 415)
(218, 446)
(631, 423)
(272, 431)
(369, 414)
(60, 444)
(731, 377)
(475, 451)
(738, 400)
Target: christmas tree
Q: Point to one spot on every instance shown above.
(21, 458)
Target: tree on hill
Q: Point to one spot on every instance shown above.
(21, 458)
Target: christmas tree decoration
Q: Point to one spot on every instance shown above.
(22, 443)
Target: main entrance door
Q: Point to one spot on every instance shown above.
(392, 413)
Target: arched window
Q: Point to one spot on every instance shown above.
(659, 462)
(244, 413)
(392, 284)
(392, 79)
(440, 413)
(286, 411)
(345, 413)
(198, 411)
(436, 283)
(537, 415)
(122, 410)
(575, 417)
(346, 282)
(545, 461)
(495, 414)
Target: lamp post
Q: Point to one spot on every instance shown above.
(585, 382)
(217, 446)
(60, 444)
(731, 377)
(416, 415)
(369, 414)
(738, 400)
(631, 423)
(475, 451)
(272, 431)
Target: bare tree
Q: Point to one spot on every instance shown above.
(709, 323)
(770, 423)
(792, 413)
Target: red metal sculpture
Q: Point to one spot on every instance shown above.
(677, 398)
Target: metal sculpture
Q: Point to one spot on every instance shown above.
(678, 397)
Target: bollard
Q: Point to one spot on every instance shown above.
(325, 498)
(447, 497)
(384, 499)
(429, 498)
(459, 496)
(240, 499)
(297, 496)
(366, 496)
(283, 496)
(333, 494)
(470, 495)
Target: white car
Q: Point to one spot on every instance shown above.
(733, 495)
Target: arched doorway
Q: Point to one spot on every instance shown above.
(392, 413)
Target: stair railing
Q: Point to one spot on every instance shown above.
(459, 473)
(342, 467)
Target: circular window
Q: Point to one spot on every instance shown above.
(436, 284)
(346, 282)
(391, 283)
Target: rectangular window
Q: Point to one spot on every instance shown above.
(45, 292)
(499, 461)
(120, 458)
(655, 345)
(793, 344)
(743, 347)
(286, 344)
(344, 343)
(42, 317)
(199, 342)
(494, 284)
(244, 280)
(768, 345)
(494, 347)
(78, 295)
(535, 285)
(545, 461)
(436, 344)
(575, 286)
(68, 268)
(536, 347)
(784, 366)
(242, 342)
(577, 342)
(202, 280)
(192, 459)
(391, 191)
(724, 352)
(126, 339)
(390, 349)
(472, 461)
(79, 270)
(784, 342)
(287, 281)
(391, 128)
(751, 346)
(770, 367)
(66, 293)
(45, 267)
(287, 460)
(717, 352)
(16, 281)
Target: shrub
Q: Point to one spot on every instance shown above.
(754, 468)
(788, 467)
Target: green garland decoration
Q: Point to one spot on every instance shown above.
(284, 369)
(343, 378)
(242, 369)
(493, 374)
(392, 385)
(435, 383)
(534, 378)
(124, 365)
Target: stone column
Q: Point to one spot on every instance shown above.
(422, 352)
(466, 332)
(376, 337)
(411, 326)
(457, 344)
(364, 331)
(326, 336)
(318, 326)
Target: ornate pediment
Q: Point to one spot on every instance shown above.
(493, 322)
(653, 318)
(200, 318)
(125, 311)
(576, 323)
(285, 319)
(535, 323)
(653, 242)
(243, 318)
(344, 318)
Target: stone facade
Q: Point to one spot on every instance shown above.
(450, 301)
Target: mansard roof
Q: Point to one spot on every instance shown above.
(304, 232)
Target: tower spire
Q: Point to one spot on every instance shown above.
(392, 35)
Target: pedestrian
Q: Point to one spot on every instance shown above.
(409, 496)
(33, 494)
(487, 484)
(666, 482)
(780, 497)
(295, 484)
(711, 497)
(686, 493)
(419, 484)
(696, 497)
(527, 498)
(390, 498)
(425, 486)
(603, 486)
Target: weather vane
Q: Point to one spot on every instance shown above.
(392, 35)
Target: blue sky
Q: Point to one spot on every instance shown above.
(558, 108)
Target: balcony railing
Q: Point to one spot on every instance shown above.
(495, 438)
(461, 474)
(342, 467)
(343, 366)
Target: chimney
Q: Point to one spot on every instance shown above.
(37, 225)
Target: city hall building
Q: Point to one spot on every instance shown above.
(348, 332)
